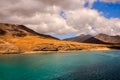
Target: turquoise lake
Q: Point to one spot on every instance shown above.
(84, 65)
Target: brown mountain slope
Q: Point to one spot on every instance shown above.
(6, 47)
(13, 30)
(94, 41)
(33, 43)
(98, 39)
(18, 38)
(86, 39)
(80, 38)
(108, 39)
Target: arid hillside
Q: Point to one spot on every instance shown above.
(14, 30)
(19, 39)
(108, 38)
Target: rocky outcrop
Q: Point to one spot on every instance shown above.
(53, 47)
(6, 48)
(45, 47)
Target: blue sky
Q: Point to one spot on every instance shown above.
(64, 19)
(108, 10)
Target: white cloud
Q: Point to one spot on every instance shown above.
(51, 24)
(111, 1)
(43, 16)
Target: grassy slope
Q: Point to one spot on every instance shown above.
(18, 38)
(27, 43)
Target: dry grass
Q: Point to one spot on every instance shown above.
(24, 39)
(26, 43)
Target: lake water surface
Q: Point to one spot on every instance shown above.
(86, 65)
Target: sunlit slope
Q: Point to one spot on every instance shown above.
(6, 47)
(15, 30)
(35, 43)
(18, 38)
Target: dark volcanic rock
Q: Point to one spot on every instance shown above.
(94, 41)
(80, 38)
(117, 47)
(2, 32)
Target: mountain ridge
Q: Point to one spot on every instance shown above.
(18, 39)
(16, 30)
(79, 38)
(98, 39)
(108, 38)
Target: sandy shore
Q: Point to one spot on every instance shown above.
(46, 52)
(50, 52)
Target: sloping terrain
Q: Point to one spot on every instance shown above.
(108, 38)
(86, 39)
(98, 39)
(33, 43)
(14, 30)
(6, 47)
(19, 39)
(80, 38)
(94, 41)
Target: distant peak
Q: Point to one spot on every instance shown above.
(101, 34)
(83, 35)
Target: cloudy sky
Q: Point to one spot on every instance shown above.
(64, 18)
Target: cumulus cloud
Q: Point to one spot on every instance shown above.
(44, 16)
